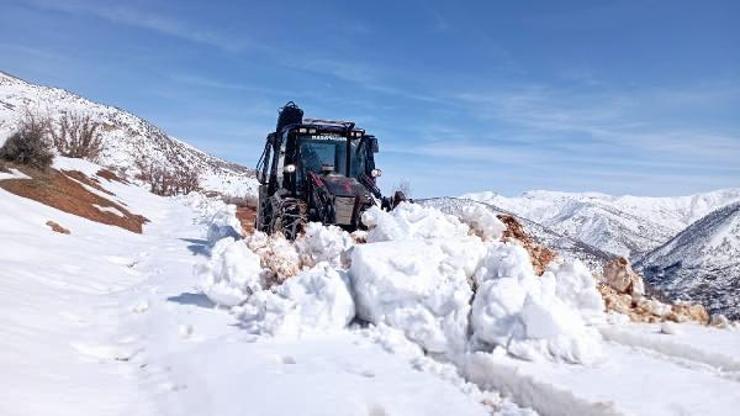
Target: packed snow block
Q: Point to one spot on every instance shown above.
(419, 287)
(224, 223)
(316, 299)
(232, 273)
(536, 317)
(412, 222)
(319, 243)
(482, 221)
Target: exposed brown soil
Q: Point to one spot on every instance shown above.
(623, 291)
(110, 176)
(618, 274)
(57, 228)
(92, 182)
(645, 309)
(58, 190)
(246, 216)
(541, 256)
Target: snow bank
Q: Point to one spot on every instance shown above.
(444, 284)
(317, 299)
(411, 222)
(232, 273)
(419, 287)
(224, 223)
(536, 317)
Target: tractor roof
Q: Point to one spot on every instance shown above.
(336, 126)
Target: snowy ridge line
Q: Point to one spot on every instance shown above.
(719, 362)
(526, 391)
(488, 205)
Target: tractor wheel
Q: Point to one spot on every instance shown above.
(290, 219)
(263, 220)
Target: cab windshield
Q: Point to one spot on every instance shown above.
(320, 152)
(316, 154)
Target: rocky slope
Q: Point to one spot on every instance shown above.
(702, 263)
(623, 225)
(129, 141)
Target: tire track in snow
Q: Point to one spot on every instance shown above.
(630, 381)
(669, 347)
(526, 391)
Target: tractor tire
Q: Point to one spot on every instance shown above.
(290, 218)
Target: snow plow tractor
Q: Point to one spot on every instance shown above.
(317, 170)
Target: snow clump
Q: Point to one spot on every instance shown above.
(418, 287)
(536, 317)
(232, 273)
(411, 222)
(481, 220)
(319, 243)
(316, 299)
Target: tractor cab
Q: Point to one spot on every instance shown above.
(316, 170)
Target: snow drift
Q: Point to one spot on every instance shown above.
(446, 282)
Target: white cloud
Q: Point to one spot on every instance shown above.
(122, 14)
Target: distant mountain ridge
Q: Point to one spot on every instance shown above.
(702, 263)
(129, 141)
(625, 225)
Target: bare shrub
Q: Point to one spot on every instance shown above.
(28, 145)
(187, 181)
(181, 180)
(77, 136)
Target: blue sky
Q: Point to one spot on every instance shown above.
(639, 97)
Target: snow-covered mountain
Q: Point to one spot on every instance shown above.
(129, 141)
(625, 225)
(702, 263)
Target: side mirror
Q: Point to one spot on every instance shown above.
(374, 147)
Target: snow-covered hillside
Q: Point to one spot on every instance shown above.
(623, 225)
(129, 141)
(702, 263)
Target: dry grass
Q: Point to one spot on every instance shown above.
(59, 190)
(110, 176)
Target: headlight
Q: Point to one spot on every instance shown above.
(376, 172)
(289, 168)
(302, 130)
